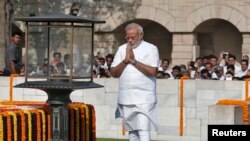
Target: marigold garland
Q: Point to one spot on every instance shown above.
(22, 103)
(11, 86)
(23, 125)
(83, 131)
(93, 123)
(38, 124)
(43, 125)
(38, 120)
(8, 126)
(49, 127)
(8, 110)
(14, 122)
(88, 119)
(237, 102)
(246, 89)
(83, 117)
(181, 103)
(87, 122)
(29, 125)
(77, 125)
(1, 128)
(72, 124)
(84, 114)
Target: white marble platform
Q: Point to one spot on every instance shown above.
(198, 96)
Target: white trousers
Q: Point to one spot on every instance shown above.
(139, 135)
(141, 117)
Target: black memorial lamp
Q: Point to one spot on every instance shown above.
(59, 60)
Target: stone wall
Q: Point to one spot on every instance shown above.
(198, 96)
(178, 17)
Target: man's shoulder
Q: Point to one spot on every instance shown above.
(123, 46)
(11, 45)
(147, 44)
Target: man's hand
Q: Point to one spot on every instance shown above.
(130, 57)
(128, 49)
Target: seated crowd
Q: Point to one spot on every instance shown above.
(226, 67)
(210, 67)
(60, 67)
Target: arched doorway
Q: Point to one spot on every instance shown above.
(153, 33)
(216, 35)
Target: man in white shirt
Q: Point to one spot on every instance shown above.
(243, 70)
(165, 67)
(136, 63)
(232, 61)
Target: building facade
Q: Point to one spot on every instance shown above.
(181, 29)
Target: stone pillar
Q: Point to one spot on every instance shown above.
(246, 44)
(2, 33)
(185, 48)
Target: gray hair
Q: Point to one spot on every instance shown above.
(134, 25)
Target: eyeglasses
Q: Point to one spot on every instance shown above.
(132, 37)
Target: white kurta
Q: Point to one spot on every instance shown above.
(138, 117)
(137, 92)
